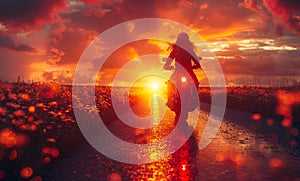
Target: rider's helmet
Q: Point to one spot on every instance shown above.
(183, 37)
(183, 41)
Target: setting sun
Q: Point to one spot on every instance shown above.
(155, 86)
(155, 83)
(152, 82)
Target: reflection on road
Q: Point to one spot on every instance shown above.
(247, 147)
(178, 166)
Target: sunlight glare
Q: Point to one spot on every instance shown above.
(155, 86)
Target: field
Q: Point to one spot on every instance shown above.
(274, 102)
(37, 124)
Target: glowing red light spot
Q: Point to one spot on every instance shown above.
(19, 113)
(8, 138)
(220, 157)
(33, 127)
(238, 159)
(256, 116)
(51, 140)
(31, 109)
(286, 122)
(26, 172)
(54, 153)
(13, 155)
(275, 163)
(37, 178)
(47, 159)
(30, 119)
(24, 97)
(46, 151)
(114, 177)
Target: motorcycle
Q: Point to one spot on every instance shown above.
(181, 85)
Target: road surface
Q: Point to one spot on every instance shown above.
(243, 149)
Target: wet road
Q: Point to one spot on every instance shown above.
(245, 148)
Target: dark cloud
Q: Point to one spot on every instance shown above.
(70, 31)
(56, 33)
(264, 65)
(100, 8)
(284, 13)
(67, 44)
(261, 62)
(29, 14)
(69, 39)
(252, 4)
(8, 42)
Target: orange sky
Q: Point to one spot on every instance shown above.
(46, 44)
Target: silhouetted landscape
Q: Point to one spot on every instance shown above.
(38, 128)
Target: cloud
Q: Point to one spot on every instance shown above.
(284, 13)
(60, 76)
(93, 2)
(100, 8)
(186, 4)
(250, 53)
(67, 43)
(203, 6)
(274, 63)
(29, 14)
(252, 4)
(33, 14)
(213, 18)
(8, 42)
(69, 25)
(54, 55)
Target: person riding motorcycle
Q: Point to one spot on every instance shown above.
(182, 51)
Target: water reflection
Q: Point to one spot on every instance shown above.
(181, 165)
(157, 104)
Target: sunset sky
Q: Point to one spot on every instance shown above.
(43, 40)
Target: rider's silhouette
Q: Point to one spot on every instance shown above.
(182, 51)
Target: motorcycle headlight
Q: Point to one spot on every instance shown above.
(183, 79)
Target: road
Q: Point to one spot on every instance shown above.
(243, 149)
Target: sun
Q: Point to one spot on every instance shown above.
(152, 83)
(155, 86)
